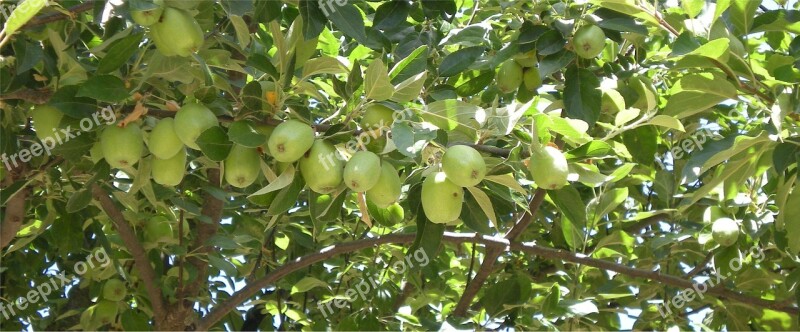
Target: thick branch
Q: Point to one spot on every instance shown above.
(492, 254)
(212, 208)
(47, 18)
(140, 260)
(15, 208)
(490, 242)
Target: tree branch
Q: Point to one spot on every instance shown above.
(500, 244)
(492, 254)
(140, 260)
(48, 18)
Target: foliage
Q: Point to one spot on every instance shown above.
(689, 114)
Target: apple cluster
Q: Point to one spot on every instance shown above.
(172, 28)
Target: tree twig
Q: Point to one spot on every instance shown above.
(48, 18)
(140, 260)
(500, 244)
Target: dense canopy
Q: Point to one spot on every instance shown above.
(387, 165)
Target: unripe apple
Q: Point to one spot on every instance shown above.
(169, 172)
(150, 16)
(549, 168)
(322, 168)
(177, 33)
(725, 231)
(105, 312)
(114, 290)
(377, 117)
(388, 189)
(531, 79)
(463, 165)
(163, 142)
(122, 147)
(509, 77)
(191, 121)
(441, 198)
(158, 230)
(526, 60)
(46, 120)
(362, 171)
(290, 141)
(589, 41)
(242, 166)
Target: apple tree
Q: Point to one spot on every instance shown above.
(386, 165)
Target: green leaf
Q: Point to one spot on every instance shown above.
(410, 142)
(581, 95)
(377, 85)
(453, 114)
(223, 265)
(458, 61)
(390, 14)
(22, 14)
(412, 65)
(103, 88)
(262, 63)
(66, 101)
(119, 52)
(485, 203)
(285, 179)
(742, 13)
(287, 197)
(409, 89)
(609, 201)
(591, 150)
(79, 200)
(323, 65)
(666, 121)
(569, 202)
(243, 132)
(242, 31)
(349, 21)
(214, 143)
(314, 18)
(306, 284)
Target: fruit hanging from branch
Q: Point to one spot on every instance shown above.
(548, 167)
(163, 142)
(725, 231)
(388, 189)
(122, 147)
(177, 33)
(441, 198)
(322, 167)
(191, 121)
(464, 165)
(242, 166)
(290, 140)
(170, 171)
(362, 171)
(589, 41)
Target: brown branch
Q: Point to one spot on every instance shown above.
(500, 244)
(15, 208)
(700, 266)
(475, 285)
(48, 18)
(140, 260)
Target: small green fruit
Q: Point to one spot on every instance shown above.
(612, 102)
(177, 33)
(725, 231)
(463, 165)
(388, 189)
(362, 171)
(322, 168)
(509, 77)
(163, 142)
(46, 120)
(526, 60)
(290, 140)
(169, 172)
(242, 166)
(148, 17)
(105, 312)
(396, 213)
(531, 79)
(122, 147)
(114, 290)
(441, 198)
(158, 230)
(191, 121)
(549, 168)
(376, 117)
(589, 41)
